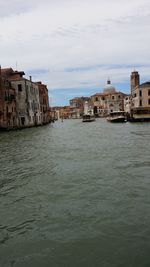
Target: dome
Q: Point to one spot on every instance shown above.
(109, 88)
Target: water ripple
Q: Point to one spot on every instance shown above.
(75, 194)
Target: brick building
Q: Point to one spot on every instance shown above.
(44, 102)
(8, 118)
(23, 103)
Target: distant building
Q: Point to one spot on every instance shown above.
(127, 104)
(77, 106)
(108, 101)
(140, 97)
(8, 118)
(44, 102)
(140, 93)
(88, 108)
(134, 80)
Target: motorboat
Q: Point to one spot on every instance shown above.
(140, 114)
(116, 116)
(88, 118)
(88, 114)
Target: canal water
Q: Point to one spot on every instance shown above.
(75, 194)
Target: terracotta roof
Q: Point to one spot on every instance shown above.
(9, 72)
(100, 94)
(106, 94)
(82, 98)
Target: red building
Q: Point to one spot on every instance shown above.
(44, 102)
(8, 118)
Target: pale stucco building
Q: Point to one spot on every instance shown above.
(28, 103)
(107, 101)
(140, 93)
(140, 98)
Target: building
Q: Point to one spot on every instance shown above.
(77, 106)
(27, 98)
(8, 118)
(134, 80)
(108, 101)
(140, 93)
(44, 102)
(140, 97)
(127, 104)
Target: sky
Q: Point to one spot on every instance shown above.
(73, 46)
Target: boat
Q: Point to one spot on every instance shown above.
(88, 118)
(116, 116)
(88, 114)
(140, 114)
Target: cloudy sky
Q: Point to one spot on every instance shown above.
(73, 46)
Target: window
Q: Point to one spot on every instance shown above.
(113, 97)
(148, 101)
(140, 93)
(140, 103)
(118, 96)
(19, 87)
(148, 92)
(96, 98)
(22, 121)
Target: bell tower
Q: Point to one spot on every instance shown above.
(134, 79)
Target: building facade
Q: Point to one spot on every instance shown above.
(30, 99)
(140, 98)
(27, 101)
(44, 102)
(140, 93)
(77, 106)
(8, 118)
(108, 101)
(127, 104)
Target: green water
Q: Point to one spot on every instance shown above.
(75, 194)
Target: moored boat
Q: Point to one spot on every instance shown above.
(140, 114)
(116, 116)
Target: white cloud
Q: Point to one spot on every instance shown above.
(58, 35)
